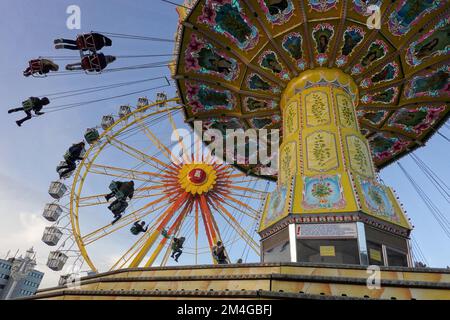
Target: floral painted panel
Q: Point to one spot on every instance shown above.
(324, 191)
(317, 109)
(321, 151)
(360, 159)
(377, 200)
(346, 111)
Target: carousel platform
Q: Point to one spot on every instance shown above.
(256, 281)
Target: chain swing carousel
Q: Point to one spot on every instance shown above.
(349, 101)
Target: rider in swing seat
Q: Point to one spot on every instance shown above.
(122, 191)
(74, 154)
(40, 67)
(138, 227)
(85, 42)
(219, 253)
(92, 63)
(177, 246)
(32, 104)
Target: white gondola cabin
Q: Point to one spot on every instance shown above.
(124, 111)
(161, 98)
(57, 190)
(52, 212)
(107, 122)
(57, 260)
(51, 236)
(142, 102)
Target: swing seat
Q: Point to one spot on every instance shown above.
(27, 105)
(119, 207)
(91, 64)
(59, 170)
(134, 230)
(37, 68)
(85, 42)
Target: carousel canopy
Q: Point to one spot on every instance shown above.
(235, 58)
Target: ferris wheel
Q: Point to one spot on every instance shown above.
(197, 199)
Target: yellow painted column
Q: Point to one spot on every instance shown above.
(322, 144)
(325, 162)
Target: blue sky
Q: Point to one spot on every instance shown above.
(29, 154)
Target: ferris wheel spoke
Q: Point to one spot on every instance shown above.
(176, 226)
(196, 229)
(247, 196)
(136, 215)
(215, 228)
(99, 199)
(233, 223)
(245, 189)
(136, 175)
(238, 208)
(243, 204)
(137, 246)
(211, 230)
(154, 139)
(119, 264)
(180, 140)
(237, 175)
(168, 214)
(141, 156)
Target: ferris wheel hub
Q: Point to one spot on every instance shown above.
(197, 178)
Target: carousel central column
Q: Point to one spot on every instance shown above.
(322, 142)
(327, 186)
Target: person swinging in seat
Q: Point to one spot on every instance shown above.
(92, 63)
(219, 253)
(40, 67)
(138, 227)
(85, 42)
(33, 104)
(121, 191)
(74, 154)
(177, 246)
